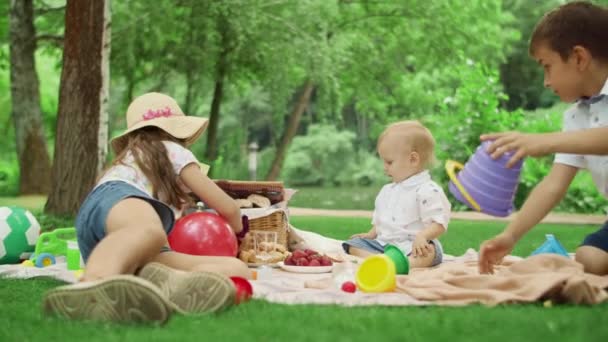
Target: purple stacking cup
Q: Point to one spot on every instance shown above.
(489, 182)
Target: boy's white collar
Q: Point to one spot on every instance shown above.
(604, 90)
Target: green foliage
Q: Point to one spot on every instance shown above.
(50, 222)
(473, 109)
(371, 63)
(319, 157)
(521, 76)
(364, 170)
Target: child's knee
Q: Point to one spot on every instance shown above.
(154, 237)
(594, 260)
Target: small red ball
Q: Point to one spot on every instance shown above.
(349, 286)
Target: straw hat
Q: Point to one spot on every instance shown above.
(162, 111)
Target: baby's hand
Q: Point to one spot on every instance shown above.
(363, 236)
(421, 247)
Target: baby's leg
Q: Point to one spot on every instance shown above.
(423, 261)
(594, 260)
(359, 252)
(227, 266)
(134, 235)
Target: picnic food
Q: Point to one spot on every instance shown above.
(277, 252)
(259, 200)
(243, 203)
(307, 257)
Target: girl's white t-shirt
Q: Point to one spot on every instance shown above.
(129, 172)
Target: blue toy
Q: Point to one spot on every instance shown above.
(551, 246)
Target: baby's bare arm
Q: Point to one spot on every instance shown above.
(432, 231)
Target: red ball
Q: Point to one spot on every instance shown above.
(349, 286)
(203, 233)
(244, 290)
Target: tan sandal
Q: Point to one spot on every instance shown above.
(191, 292)
(122, 298)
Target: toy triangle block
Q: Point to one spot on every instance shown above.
(552, 245)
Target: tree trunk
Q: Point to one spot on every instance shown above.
(34, 161)
(214, 118)
(82, 98)
(290, 131)
(214, 115)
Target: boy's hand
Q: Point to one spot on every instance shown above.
(493, 251)
(523, 144)
(421, 246)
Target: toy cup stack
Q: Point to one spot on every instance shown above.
(485, 184)
(377, 273)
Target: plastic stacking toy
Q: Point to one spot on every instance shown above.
(402, 264)
(376, 274)
(485, 184)
(551, 245)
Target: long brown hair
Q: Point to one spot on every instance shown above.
(150, 155)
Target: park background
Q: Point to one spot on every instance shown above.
(312, 83)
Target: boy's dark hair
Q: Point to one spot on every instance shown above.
(575, 23)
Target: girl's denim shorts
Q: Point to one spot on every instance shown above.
(93, 213)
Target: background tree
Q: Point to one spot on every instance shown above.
(82, 120)
(33, 157)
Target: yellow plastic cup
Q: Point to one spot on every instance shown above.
(376, 274)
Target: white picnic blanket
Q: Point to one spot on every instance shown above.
(58, 271)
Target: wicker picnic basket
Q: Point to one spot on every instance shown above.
(276, 221)
(274, 191)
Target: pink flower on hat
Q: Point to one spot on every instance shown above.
(159, 113)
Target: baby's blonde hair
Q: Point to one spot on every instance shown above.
(416, 136)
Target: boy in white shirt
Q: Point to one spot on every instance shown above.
(570, 43)
(412, 211)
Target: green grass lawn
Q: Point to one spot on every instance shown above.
(20, 318)
(355, 198)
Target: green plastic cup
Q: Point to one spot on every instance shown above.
(402, 264)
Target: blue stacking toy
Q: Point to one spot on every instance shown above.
(551, 246)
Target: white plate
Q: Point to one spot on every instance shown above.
(305, 269)
(256, 265)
